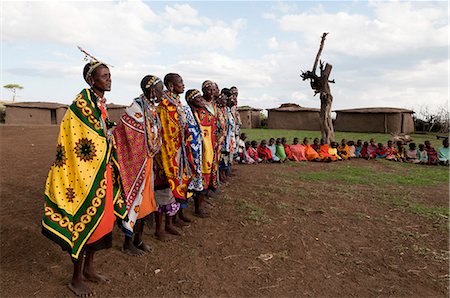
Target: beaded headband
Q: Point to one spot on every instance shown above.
(152, 82)
(192, 94)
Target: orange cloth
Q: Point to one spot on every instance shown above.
(310, 153)
(107, 222)
(287, 150)
(148, 204)
(323, 153)
(299, 152)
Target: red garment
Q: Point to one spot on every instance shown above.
(323, 153)
(364, 151)
(288, 151)
(299, 152)
(253, 153)
(264, 153)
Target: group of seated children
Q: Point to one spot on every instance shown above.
(277, 150)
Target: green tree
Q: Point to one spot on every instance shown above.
(13, 88)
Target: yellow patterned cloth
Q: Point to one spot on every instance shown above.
(76, 185)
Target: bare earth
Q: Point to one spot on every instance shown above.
(299, 240)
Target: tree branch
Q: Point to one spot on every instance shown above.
(322, 42)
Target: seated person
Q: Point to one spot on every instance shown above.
(264, 152)
(390, 151)
(422, 154)
(316, 145)
(310, 153)
(364, 148)
(279, 150)
(273, 149)
(342, 149)
(333, 151)
(381, 151)
(241, 147)
(298, 150)
(351, 149)
(252, 151)
(431, 154)
(324, 154)
(371, 149)
(287, 148)
(246, 159)
(411, 154)
(400, 153)
(443, 153)
(358, 148)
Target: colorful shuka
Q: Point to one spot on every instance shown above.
(83, 190)
(228, 145)
(174, 163)
(207, 120)
(196, 142)
(343, 151)
(138, 138)
(298, 152)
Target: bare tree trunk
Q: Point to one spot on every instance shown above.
(321, 85)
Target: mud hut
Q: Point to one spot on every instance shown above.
(384, 120)
(250, 117)
(293, 116)
(40, 113)
(115, 111)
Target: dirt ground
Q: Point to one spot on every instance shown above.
(260, 240)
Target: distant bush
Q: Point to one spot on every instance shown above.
(437, 120)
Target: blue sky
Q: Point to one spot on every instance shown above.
(384, 53)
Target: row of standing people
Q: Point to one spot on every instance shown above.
(278, 150)
(160, 156)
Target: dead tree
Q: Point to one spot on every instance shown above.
(320, 84)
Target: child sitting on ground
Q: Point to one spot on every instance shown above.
(316, 145)
(310, 153)
(400, 153)
(431, 154)
(287, 148)
(279, 150)
(324, 152)
(381, 151)
(411, 154)
(422, 154)
(443, 153)
(390, 151)
(298, 151)
(358, 148)
(364, 148)
(371, 149)
(264, 152)
(351, 149)
(342, 150)
(252, 151)
(273, 150)
(333, 151)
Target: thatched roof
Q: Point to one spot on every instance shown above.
(37, 105)
(293, 107)
(247, 108)
(382, 110)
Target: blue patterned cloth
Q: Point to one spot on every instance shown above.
(195, 140)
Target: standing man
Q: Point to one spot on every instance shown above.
(138, 138)
(83, 193)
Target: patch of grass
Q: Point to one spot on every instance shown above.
(411, 175)
(253, 212)
(419, 208)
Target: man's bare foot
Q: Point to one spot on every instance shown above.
(161, 237)
(80, 289)
(171, 230)
(132, 250)
(144, 247)
(95, 277)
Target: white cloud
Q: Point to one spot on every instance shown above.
(395, 27)
(184, 14)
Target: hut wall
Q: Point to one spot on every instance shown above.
(60, 112)
(301, 120)
(374, 122)
(246, 118)
(19, 115)
(256, 119)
